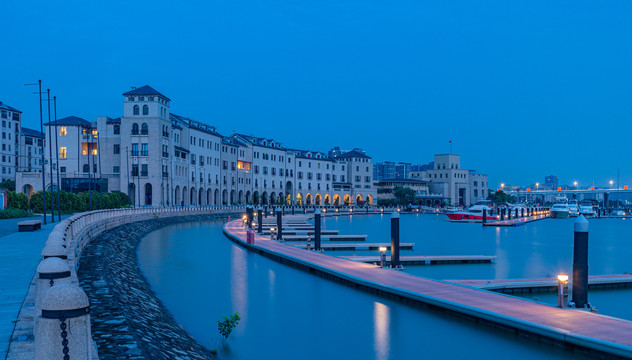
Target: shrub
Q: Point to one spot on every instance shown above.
(227, 324)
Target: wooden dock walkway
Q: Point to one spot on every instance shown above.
(332, 237)
(427, 260)
(351, 246)
(545, 284)
(517, 221)
(583, 330)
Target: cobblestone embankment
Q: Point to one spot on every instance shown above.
(128, 320)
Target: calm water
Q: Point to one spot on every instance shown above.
(536, 250)
(288, 314)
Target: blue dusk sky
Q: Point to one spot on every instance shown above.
(524, 89)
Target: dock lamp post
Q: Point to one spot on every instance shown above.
(562, 281)
(382, 256)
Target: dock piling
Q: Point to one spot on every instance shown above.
(317, 224)
(484, 216)
(260, 219)
(279, 218)
(395, 240)
(580, 263)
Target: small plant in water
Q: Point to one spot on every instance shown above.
(227, 324)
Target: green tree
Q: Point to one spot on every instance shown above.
(404, 195)
(8, 184)
(499, 197)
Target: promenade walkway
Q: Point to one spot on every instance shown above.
(574, 328)
(19, 257)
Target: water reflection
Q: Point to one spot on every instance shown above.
(239, 282)
(381, 333)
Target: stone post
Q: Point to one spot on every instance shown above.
(54, 250)
(62, 331)
(50, 271)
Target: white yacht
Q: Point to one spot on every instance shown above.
(587, 208)
(574, 208)
(560, 209)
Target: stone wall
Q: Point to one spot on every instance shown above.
(128, 320)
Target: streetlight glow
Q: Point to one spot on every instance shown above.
(562, 278)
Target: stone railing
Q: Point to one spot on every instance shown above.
(60, 304)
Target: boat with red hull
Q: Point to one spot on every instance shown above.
(474, 213)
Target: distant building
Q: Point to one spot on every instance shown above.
(30, 150)
(551, 181)
(457, 185)
(391, 170)
(11, 125)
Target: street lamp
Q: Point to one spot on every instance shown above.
(611, 182)
(502, 186)
(575, 183)
(382, 255)
(562, 280)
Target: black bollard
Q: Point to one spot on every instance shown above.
(508, 214)
(260, 219)
(502, 213)
(580, 263)
(522, 212)
(516, 214)
(484, 216)
(249, 215)
(279, 216)
(395, 240)
(317, 223)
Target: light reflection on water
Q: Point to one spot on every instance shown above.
(382, 321)
(290, 314)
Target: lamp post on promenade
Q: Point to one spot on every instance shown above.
(39, 84)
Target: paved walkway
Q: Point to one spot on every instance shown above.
(19, 257)
(581, 328)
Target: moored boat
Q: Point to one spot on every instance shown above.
(560, 210)
(574, 208)
(474, 213)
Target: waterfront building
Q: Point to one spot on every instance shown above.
(550, 182)
(386, 190)
(458, 186)
(159, 158)
(9, 143)
(31, 145)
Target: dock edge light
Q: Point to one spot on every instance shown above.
(562, 278)
(382, 256)
(382, 249)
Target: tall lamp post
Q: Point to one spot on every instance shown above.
(39, 84)
(50, 155)
(57, 161)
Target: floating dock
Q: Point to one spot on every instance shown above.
(355, 246)
(587, 332)
(517, 221)
(512, 286)
(427, 260)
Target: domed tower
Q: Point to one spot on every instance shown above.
(146, 146)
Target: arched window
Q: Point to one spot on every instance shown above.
(136, 110)
(86, 168)
(134, 129)
(145, 110)
(144, 129)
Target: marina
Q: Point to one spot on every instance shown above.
(583, 330)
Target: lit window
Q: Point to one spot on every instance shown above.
(63, 131)
(62, 152)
